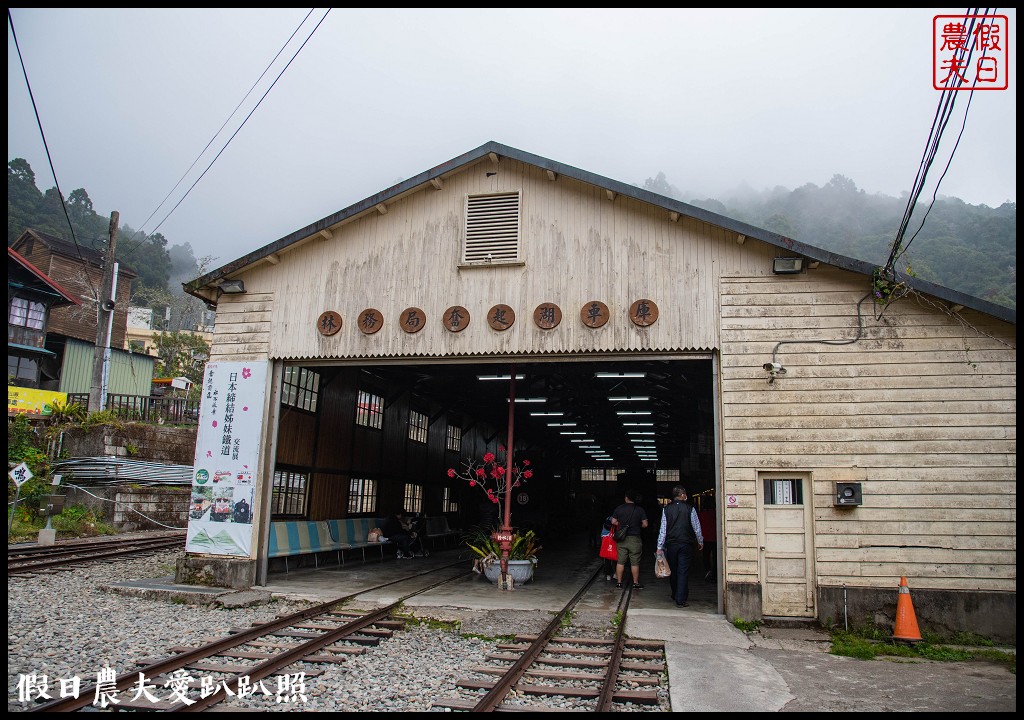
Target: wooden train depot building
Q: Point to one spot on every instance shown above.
(846, 441)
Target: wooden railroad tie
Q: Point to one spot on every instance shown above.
(648, 697)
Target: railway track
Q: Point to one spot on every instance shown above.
(320, 634)
(549, 666)
(66, 556)
(532, 672)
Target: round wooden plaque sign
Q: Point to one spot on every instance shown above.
(643, 313)
(370, 321)
(501, 317)
(547, 315)
(329, 323)
(594, 314)
(412, 320)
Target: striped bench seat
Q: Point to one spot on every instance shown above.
(352, 533)
(290, 538)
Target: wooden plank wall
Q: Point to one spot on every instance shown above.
(241, 329)
(921, 410)
(577, 246)
(82, 282)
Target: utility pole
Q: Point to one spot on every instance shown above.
(104, 323)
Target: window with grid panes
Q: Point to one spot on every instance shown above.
(448, 501)
(370, 410)
(413, 498)
(362, 495)
(454, 438)
(600, 474)
(289, 493)
(26, 313)
(667, 476)
(418, 426)
(300, 388)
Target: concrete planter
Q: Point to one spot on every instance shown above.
(520, 570)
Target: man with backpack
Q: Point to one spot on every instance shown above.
(629, 519)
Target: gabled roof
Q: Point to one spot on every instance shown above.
(60, 246)
(64, 297)
(789, 245)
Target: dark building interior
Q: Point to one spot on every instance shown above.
(353, 439)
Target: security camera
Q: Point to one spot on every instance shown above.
(774, 368)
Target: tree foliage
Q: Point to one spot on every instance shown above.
(160, 267)
(28, 207)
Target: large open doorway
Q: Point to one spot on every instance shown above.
(362, 439)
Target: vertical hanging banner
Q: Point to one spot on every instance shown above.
(227, 453)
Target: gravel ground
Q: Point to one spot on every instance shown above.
(64, 624)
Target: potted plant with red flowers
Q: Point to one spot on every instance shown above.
(493, 476)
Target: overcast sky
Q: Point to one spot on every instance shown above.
(712, 98)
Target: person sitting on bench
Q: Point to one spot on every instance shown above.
(394, 530)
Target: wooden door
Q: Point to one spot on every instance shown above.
(786, 536)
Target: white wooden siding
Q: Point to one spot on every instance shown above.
(241, 330)
(921, 410)
(577, 246)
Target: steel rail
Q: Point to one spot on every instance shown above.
(56, 552)
(29, 550)
(269, 667)
(175, 662)
(494, 697)
(20, 568)
(604, 701)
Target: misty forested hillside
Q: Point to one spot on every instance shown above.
(161, 267)
(969, 248)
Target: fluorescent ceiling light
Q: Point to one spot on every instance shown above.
(633, 412)
(628, 398)
(582, 440)
(590, 447)
(620, 375)
(561, 424)
(498, 377)
(529, 400)
(640, 432)
(638, 424)
(572, 432)
(547, 414)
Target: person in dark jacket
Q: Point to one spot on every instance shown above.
(394, 530)
(680, 529)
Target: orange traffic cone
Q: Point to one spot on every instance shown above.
(906, 620)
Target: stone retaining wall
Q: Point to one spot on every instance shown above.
(121, 505)
(140, 441)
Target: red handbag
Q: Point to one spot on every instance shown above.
(609, 548)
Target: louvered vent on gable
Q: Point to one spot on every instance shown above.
(492, 228)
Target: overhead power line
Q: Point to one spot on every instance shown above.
(221, 151)
(943, 113)
(49, 158)
(219, 130)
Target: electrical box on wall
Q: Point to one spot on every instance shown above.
(848, 495)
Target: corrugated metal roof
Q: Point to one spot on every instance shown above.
(115, 471)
